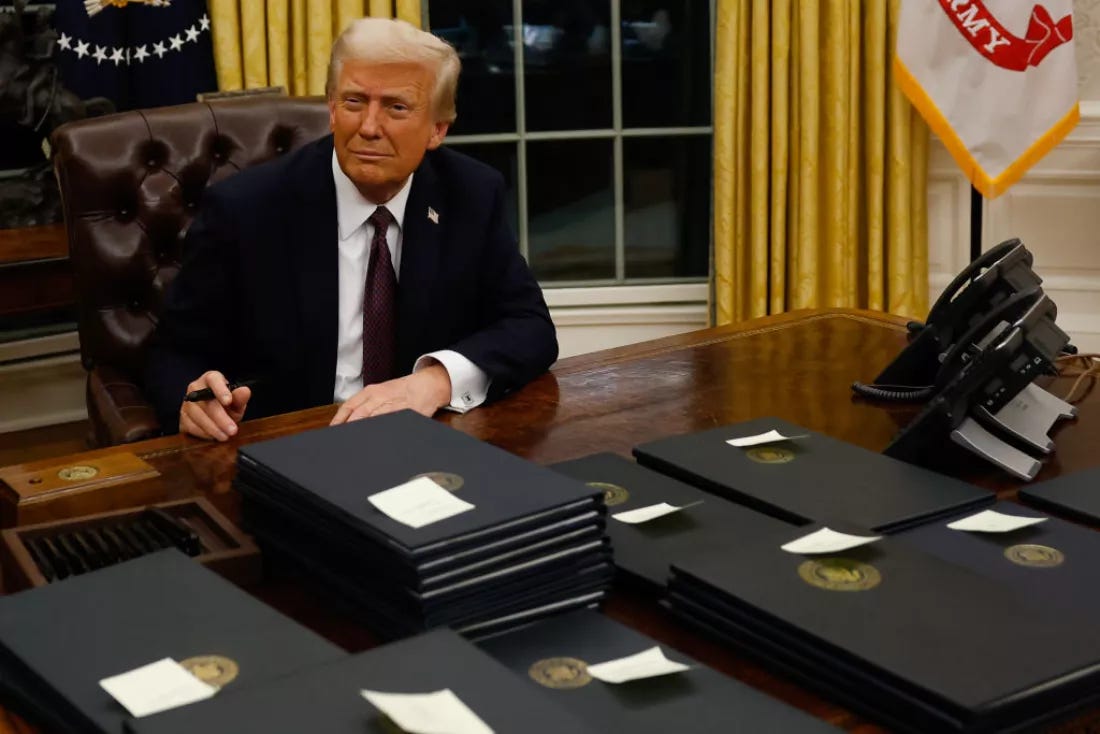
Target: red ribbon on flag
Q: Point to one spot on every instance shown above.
(995, 42)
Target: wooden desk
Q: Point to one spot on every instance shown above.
(794, 366)
(35, 272)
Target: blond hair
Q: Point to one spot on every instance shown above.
(382, 40)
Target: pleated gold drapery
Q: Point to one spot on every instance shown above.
(820, 163)
(264, 43)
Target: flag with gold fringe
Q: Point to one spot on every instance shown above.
(995, 80)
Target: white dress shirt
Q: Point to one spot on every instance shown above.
(469, 383)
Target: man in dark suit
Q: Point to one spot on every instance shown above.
(371, 267)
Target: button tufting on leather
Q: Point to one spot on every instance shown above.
(150, 168)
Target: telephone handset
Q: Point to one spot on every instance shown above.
(973, 295)
(990, 279)
(988, 367)
(1017, 341)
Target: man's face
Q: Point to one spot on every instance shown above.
(383, 122)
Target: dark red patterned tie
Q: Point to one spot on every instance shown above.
(379, 305)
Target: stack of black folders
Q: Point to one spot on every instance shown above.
(58, 641)
(813, 478)
(645, 551)
(534, 543)
(326, 699)
(909, 638)
(553, 656)
(1076, 495)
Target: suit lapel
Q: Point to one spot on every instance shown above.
(313, 235)
(421, 247)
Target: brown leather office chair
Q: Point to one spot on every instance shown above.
(130, 185)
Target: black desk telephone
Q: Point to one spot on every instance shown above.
(988, 336)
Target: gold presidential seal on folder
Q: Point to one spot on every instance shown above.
(448, 480)
(214, 670)
(839, 574)
(613, 494)
(1035, 556)
(770, 454)
(77, 473)
(560, 673)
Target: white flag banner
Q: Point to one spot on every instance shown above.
(995, 80)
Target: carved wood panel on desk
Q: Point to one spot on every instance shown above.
(796, 366)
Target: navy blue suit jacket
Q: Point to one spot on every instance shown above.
(256, 296)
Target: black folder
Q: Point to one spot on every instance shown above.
(696, 700)
(812, 479)
(1075, 495)
(58, 641)
(333, 470)
(326, 699)
(932, 646)
(644, 552)
(1055, 561)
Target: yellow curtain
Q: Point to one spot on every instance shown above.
(820, 163)
(262, 43)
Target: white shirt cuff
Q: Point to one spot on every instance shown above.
(469, 383)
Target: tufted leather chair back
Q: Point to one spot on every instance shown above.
(130, 185)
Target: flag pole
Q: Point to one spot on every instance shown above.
(975, 224)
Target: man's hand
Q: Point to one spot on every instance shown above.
(425, 392)
(217, 418)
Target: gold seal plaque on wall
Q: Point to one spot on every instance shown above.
(839, 574)
(560, 673)
(1035, 556)
(214, 670)
(449, 481)
(770, 454)
(613, 494)
(77, 473)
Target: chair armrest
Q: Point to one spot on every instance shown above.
(118, 411)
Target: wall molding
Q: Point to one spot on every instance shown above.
(41, 392)
(590, 328)
(623, 295)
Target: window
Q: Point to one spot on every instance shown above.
(598, 114)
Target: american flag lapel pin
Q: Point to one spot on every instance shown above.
(433, 215)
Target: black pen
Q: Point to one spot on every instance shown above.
(197, 396)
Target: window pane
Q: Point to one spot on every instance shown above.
(501, 156)
(567, 64)
(481, 32)
(666, 192)
(571, 207)
(666, 62)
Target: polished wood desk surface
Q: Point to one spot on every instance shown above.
(794, 366)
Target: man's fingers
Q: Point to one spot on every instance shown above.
(211, 418)
(366, 409)
(198, 424)
(188, 427)
(220, 386)
(359, 414)
(375, 407)
(342, 414)
(236, 409)
(351, 406)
